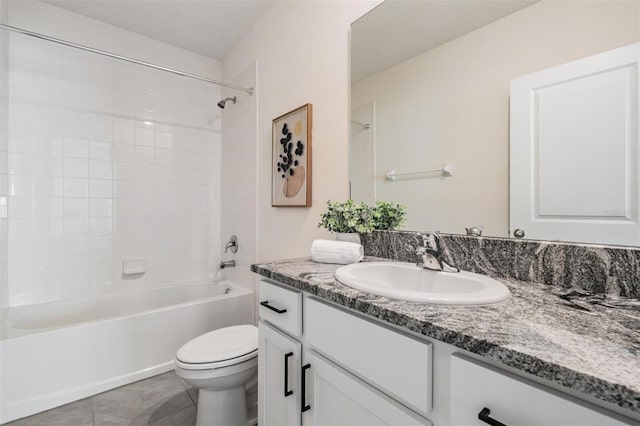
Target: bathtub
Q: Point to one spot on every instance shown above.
(58, 352)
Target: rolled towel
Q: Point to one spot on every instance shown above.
(341, 252)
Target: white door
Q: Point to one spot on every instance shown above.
(334, 397)
(278, 378)
(574, 150)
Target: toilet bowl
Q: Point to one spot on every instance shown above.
(223, 365)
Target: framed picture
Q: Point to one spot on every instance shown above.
(291, 159)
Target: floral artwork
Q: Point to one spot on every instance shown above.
(291, 161)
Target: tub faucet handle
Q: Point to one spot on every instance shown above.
(232, 244)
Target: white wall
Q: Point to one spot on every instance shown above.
(108, 161)
(302, 53)
(451, 104)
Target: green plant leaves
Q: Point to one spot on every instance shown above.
(361, 218)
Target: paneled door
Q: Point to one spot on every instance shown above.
(574, 151)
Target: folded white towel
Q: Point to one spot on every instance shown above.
(341, 252)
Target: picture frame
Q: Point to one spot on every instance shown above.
(291, 158)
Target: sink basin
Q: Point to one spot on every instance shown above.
(406, 281)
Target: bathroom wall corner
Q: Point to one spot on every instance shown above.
(239, 164)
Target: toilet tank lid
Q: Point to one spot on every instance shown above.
(220, 345)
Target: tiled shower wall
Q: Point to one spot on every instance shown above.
(239, 174)
(107, 162)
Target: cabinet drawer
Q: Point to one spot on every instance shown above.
(513, 400)
(281, 307)
(393, 362)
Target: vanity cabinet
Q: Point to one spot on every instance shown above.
(299, 385)
(344, 369)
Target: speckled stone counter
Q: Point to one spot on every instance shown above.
(585, 342)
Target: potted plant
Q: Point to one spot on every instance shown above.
(347, 219)
(388, 216)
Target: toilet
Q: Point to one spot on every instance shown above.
(223, 365)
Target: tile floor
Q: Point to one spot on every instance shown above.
(162, 400)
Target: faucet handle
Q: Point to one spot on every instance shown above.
(430, 240)
(232, 244)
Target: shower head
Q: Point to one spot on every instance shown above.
(222, 103)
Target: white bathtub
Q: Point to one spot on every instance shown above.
(55, 353)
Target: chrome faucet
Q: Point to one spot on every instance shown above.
(227, 264)
(431, 256)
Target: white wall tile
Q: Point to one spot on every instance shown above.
(144, 137)
(124, 207)
(123, 171)
(76, 248)
(100, 150)
(145, 172)
(100, 247)
(76, 207)
(100, 131)
(100, 207)
(76, 126)
(49, 207)
(144, 189)
(20, 207)
(100, 188)
(100, 227)
(123, 152)
(21, 185)
(74, 187)
(76, 227)
(123, 134)
(74, 147)
(75, 167)
(123, 189)
(101, 168)
(144, 154)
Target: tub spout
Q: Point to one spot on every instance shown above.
(227, 264)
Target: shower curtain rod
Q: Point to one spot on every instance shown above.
(248, 90)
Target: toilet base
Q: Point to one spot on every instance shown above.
(222, 408)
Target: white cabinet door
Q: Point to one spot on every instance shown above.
(574, 150)
(334, 397)
(512, 401)
(279, 359)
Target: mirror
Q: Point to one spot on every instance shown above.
(430, 86)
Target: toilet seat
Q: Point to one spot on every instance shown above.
(219, 348)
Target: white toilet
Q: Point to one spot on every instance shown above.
(223, 365)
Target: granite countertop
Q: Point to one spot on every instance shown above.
(587, 343)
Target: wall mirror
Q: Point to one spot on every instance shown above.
(432, 86)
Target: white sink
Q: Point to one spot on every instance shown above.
(408, 282)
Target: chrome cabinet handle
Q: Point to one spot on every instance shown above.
(287, 392)
(274, 309)
(518, 233)
(483, 415)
